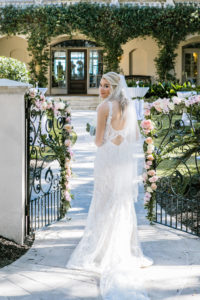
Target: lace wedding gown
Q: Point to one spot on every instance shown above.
(110, 244)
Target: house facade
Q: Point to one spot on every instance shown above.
(76, 62)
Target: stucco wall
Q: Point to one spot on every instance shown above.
(145, 51)
(15, 47)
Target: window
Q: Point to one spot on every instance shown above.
(191, 63)
(77, 65)
(59, 69)
(95, 68)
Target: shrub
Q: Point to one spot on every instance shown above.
(168, 89)
(13, 69)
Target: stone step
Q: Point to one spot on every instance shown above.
(80, 102)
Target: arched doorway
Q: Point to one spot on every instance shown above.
(191, 63)
(76, 67)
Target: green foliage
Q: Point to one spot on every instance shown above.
(13, 69)
(133, 83)
(112, 26)
(167, 89)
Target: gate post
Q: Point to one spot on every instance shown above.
(12, 159)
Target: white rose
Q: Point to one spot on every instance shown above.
(149, 189)
(150, 147)
(44, 106)
(171, 106)
(62, 105)
(59, 105)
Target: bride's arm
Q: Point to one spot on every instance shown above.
(102, 114)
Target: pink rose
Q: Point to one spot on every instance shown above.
(67, 127)
(153, 179)
(147, 112)
(147, 195)
(42, 97)
(146, 200)
(68, 119)
(71, 153)
(153, 186)
(149, 140)
(147, 167)
(69, 173)
(67, 185)
(147, 125)
(67, 196)
(151, 172)
(150, 157)
(67, 143)
(149, 162)
(156, 105)
(144, 176)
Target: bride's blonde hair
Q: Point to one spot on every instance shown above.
(116, 90)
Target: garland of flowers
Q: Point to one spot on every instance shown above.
(190, 105)
(61, 147)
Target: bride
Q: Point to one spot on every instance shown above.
(110, 244)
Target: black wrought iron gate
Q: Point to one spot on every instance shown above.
(42, 169)
(178, 192)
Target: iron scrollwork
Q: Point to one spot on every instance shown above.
(178, 192)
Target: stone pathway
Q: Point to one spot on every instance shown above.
(41, 274)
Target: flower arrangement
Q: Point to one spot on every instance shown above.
(60, 146)
(165, 106)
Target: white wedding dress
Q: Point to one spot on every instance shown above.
(110, 244)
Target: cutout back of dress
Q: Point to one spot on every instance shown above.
(116, 136)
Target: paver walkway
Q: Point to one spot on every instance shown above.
(41, 273)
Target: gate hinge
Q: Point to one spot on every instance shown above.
(27, 210)
(26, 109)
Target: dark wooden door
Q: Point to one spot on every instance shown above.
(77, 76)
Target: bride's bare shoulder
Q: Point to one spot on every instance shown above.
(103, 107)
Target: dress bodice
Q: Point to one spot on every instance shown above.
(110, 132)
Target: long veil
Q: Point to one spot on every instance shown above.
(122, 278)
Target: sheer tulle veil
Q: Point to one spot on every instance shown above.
(119, 92)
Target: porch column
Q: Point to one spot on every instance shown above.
(12, 159)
